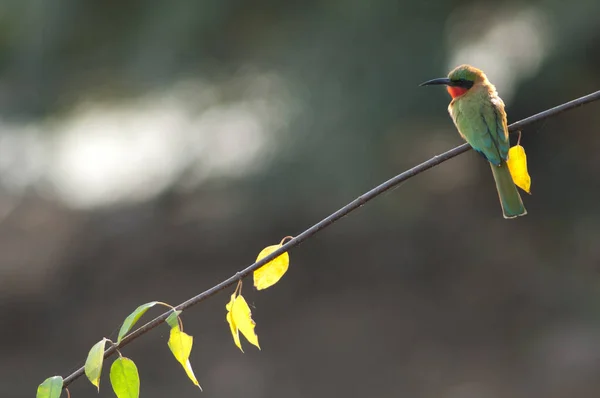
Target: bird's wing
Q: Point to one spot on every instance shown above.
(484, 128)
(497, 125)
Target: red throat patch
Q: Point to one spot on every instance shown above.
(456, 91)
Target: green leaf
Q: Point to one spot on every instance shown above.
(173, 319)
(124, 378)
(93, 363)
(180, 344)
(133, 318)
(50, 388)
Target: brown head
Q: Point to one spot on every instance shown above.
(460, 80)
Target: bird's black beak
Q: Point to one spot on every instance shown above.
(441, 80)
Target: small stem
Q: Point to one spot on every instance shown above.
(179, 321)
(283, 240)
(165, 304)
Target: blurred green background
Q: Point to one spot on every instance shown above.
(150, 149)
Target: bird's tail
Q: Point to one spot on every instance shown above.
(512, 205)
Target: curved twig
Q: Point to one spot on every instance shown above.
(326, 222)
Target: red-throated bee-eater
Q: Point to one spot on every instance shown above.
(478, 114)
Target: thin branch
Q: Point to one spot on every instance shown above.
(326, 222)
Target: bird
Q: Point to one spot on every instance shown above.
(478, 114)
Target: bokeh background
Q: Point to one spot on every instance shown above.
(150, 149)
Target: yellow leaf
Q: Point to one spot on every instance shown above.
(517, 164)
(94, 361)
(180, 344)
(270, 273)
(242, 318)
(234, 330)
(190, 373)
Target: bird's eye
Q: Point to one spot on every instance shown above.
(464, 83)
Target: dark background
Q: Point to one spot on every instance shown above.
(150, 149)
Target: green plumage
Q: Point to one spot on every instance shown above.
(512, 205)
(480, 119)
(481, 124)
